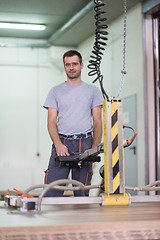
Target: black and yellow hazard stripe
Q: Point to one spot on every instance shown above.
(113, 154)
(115, 147)
(106, 147)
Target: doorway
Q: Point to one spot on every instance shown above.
(152, 79)
(130, 153)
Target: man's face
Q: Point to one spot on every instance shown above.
(73, 67)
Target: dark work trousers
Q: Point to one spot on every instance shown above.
(58, 170)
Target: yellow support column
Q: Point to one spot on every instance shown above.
(114, 179)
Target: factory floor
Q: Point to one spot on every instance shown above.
(77, 222)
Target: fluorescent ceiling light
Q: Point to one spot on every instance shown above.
(22, 26)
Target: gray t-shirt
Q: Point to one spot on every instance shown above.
(74, 106)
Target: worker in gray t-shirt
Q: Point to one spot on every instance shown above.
(74, 123)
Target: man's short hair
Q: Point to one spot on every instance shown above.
(72, 53)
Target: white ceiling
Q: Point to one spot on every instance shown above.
(55, 14)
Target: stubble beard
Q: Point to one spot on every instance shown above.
(74, 77)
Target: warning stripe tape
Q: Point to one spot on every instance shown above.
(115, 148)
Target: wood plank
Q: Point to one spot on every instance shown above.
(75, 222)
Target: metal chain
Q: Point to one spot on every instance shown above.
(123, 72)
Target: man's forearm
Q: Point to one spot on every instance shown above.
(61, 149)
(97, 134)
(53, 132)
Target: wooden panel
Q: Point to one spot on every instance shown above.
(75, 222)
(129, 231)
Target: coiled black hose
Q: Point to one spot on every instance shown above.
(99, 44)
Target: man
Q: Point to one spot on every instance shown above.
(72, 107)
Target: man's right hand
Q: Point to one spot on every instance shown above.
(62, 150)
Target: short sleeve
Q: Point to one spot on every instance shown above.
(97, 97)
(51, 101)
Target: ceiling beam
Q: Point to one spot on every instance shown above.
(72, 21)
